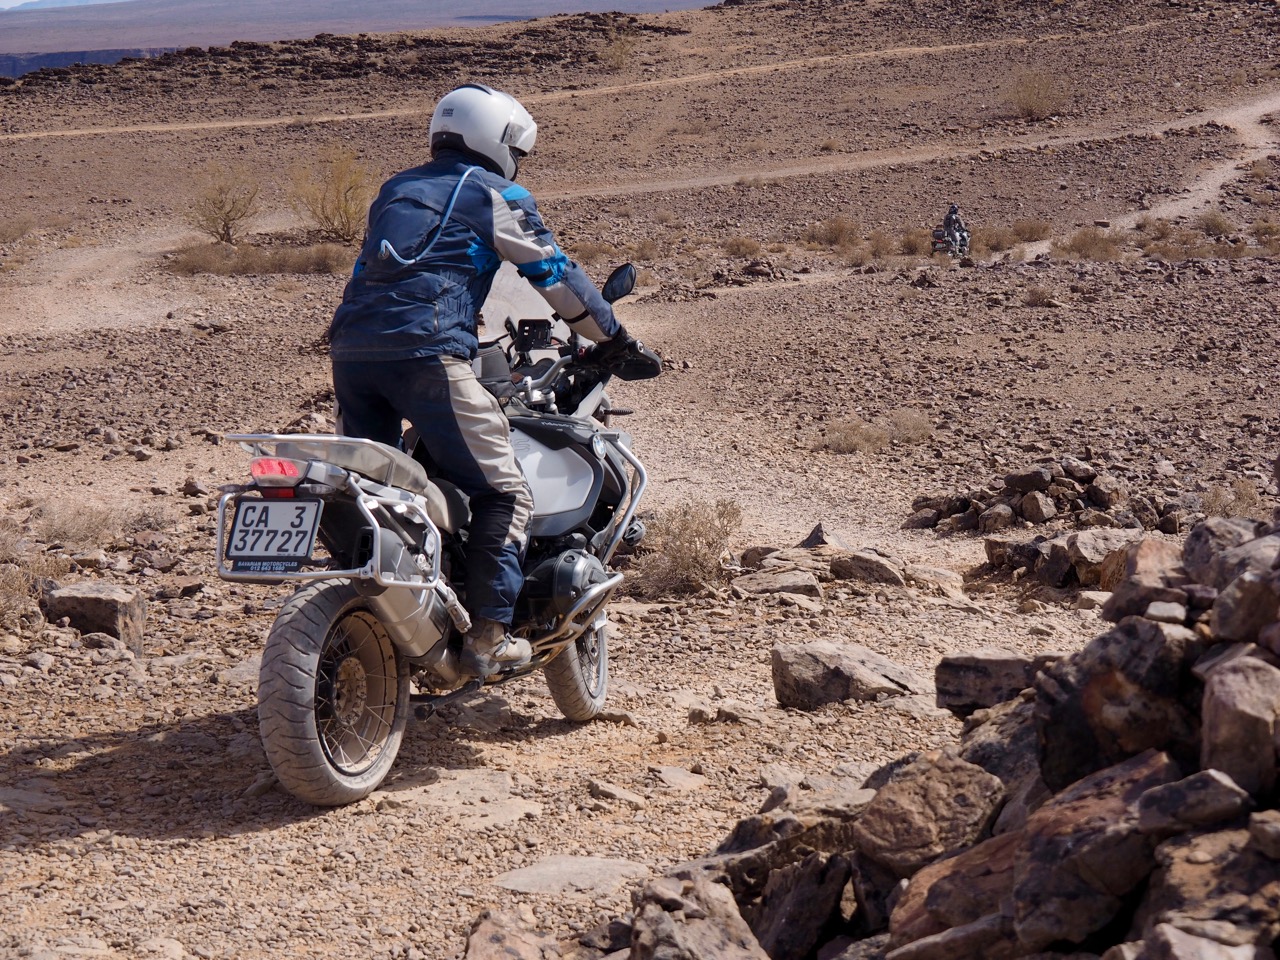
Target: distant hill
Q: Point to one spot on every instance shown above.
(167, 24)
(46, 4)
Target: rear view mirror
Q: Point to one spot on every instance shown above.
(621, 282)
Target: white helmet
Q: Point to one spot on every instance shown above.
(484, 121)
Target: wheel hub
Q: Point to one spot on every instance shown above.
(350, 691)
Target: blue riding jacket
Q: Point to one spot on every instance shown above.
(436, 236)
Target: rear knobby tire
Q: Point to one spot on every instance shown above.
(579, 677)
(333, 696)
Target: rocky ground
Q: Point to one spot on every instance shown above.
(811, 379)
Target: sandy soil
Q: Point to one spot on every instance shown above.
(140, 816)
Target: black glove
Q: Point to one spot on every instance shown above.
(626, 357)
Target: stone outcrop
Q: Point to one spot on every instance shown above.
(1119, 804)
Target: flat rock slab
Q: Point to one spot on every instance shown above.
(805, 676)
(592, 876)
(478, 798)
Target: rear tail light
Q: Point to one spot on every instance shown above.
(276, 471)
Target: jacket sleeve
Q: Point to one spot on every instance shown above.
(521, 237)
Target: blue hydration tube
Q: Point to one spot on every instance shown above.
(387, 250)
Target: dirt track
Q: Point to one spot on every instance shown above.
(137, 814)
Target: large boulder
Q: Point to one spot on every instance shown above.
(97, 607)
(1122, 694)
(806, 676)
(1239, 722)
(939, 805)
(975, 679)
(1218, 885)
(690, 919)
(1083, 853)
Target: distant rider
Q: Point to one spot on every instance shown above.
(953, 226)
(403, 339)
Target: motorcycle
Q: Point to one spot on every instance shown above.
(955, 243)
(376, 545)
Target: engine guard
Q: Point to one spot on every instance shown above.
(576, 621)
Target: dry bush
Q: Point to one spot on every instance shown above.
(1037, 297)
(334, 193)
(742, 247)
(1090, 243)
(1242, 500)
(909, 426)
(664, 217)
(1214, 224)
(1037, 94)
(856, 254)
(11, 231)
(226, 203)
(1028, 231)
(1157, 228)
(881, 244)
(838, 231)
(855, 435)
(1261, 198)
(917, 242)
(1265, 229)
(593, 251)
(619, 49)
(645, 249)
(10, 540)
(1261, 171)
(829, 146)
(684, 549)
(244, 260)
(997, 239)
(78, 525)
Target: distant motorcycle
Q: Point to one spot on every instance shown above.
(376, 546)
(953, 242)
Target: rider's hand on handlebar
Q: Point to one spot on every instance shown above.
(625, 357)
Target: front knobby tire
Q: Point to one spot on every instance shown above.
(333, 696)
(579, 677)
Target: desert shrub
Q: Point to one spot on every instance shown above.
(245, 260)
(1036, 94)
(79, 524)
(593, 251)
(1037, 297)
(227, 201)
(837, 231)
(1214, 224)
(11, 231)
(685, 548)
(664, 217)
(645, 249)
(856, 254)
(1261, 171)
(1157, 228)
(1091, 243)
(829, 146)
(619, 49)
(20, 584)
(1265, 229)
(742, 247)
(909, 426)
(995, 238)
(917, 242)
(1031, 230)
(880, 244)
(10, 540)
(855, 435)
(1241, 500)
(334, 193)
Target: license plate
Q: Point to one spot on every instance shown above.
(272, 536)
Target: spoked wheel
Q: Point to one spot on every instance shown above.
(579, 677)
(333, 696)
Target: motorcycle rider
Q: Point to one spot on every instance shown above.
(404, 336)
(953, 226)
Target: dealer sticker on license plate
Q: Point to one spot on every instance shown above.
(272, 536)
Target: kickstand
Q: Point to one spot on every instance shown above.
(426, 704)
